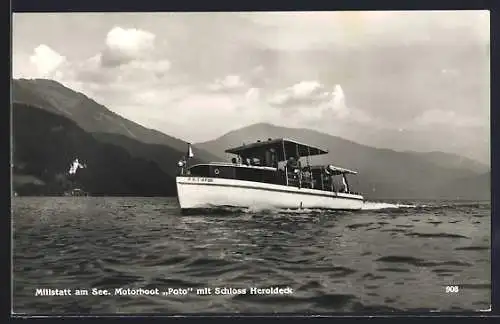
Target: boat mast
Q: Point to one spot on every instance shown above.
(284, 157)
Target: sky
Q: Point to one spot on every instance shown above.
(417, 80)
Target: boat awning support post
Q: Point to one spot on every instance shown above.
(346, 183)
(284, 158)
(308, 167)
(299, 175)
(322, 179)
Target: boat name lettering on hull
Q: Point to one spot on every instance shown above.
(197, 179)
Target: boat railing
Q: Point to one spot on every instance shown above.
(293, 179)
(301, 180)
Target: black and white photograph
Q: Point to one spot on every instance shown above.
(292, 162)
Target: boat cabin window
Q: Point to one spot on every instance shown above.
(258, 175)
(200, 171)
(253, 161)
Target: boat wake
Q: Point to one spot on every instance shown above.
(368, 205)
(371, 205)
(261, 209)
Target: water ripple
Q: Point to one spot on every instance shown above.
(333, 261)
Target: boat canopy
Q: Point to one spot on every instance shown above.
(333, 170)
(284, 148)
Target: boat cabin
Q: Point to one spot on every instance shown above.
(276, 161)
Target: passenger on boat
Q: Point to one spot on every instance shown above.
(307, 177)
(294, 169)
(293, 163)
(281, 176)
(267, 158)
(274, 160)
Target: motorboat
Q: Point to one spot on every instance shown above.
(275, 173)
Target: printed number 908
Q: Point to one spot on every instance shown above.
(451, 289)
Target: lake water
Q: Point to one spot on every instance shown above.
(384, 258)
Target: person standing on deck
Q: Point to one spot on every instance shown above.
(293, 164)
(274, 160)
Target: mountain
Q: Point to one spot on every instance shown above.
(450, 160)
(383, 173)
(45, 144)
(95, 118)
(469, 188)
(472, 144)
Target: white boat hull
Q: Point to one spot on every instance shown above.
(202, 193)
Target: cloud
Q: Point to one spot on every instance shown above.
(450, 72)
(306, 30)
(305, 88)
(228, 83)
(143, 71)
(252, 95)
(310, 94)
(46, 60)
(302, 93)
(258, 70)
(128, 70)
(212, 110)
(313, 103)
(137, 72)
(129, 58)
(337, 103)
(338, 109)
(90, 71)
(126, 45)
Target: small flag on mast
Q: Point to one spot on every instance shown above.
(190, 151)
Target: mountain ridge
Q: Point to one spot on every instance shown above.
(90, 115)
